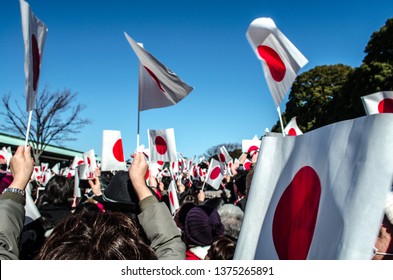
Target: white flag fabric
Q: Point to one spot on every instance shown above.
(319, 196)
(31, 211)
(34, 34)
(89, 158)
(162, 145)
(215, 174)
(158, 86)
(378, 102)
(292, 129)
(173, 199)
(281, 60)
(112, 156)
(223, 155)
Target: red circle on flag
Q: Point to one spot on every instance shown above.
(160, 162)
(385, 105)
(171, 199)
(215, 173)
(252, 148)
(296, 214)
(274, 62)
(222, 157)
(155, 79)
(161, 146)
(292, 132)
(88, 161)
(35, 52)
(117, 151)
(247, 165)
(2, 157)
(147, 175)
(81, 162)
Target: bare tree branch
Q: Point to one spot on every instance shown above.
(54, 119)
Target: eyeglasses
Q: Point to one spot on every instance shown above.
(376, 252)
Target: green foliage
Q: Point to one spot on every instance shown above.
(328, 94)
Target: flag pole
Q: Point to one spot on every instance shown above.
(282, 125)
(208, 172)
(28, 127)
(137, 130)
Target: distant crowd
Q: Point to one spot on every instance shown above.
(128, 214)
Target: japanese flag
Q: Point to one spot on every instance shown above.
(251, 146)
(281, 60)
(34, 34)
(46, 176)
(158, 86)
(215, 174)
(5, 154)
(112, 157)
(292, 128)
(173, 199)
(378, 103)
(89, 158)
(223, 155)
(56, 169)
(162, 145)
(319, 196)
(77, 161)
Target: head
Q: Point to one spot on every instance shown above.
(58, 190)
(119, 194)
(222, 248)
(231, 217)
(202, 226)
(240, 183)
(91, 234)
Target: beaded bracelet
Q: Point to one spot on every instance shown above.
(14, 190)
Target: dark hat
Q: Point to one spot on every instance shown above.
(119, 195)
(120, 190)
(203, 225)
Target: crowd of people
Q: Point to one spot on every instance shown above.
(127, 216)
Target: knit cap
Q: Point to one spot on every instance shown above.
(203, 225)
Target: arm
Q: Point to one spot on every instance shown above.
(155, 217)
(12, 211)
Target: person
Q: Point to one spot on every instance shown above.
(231, 217)
(383, 249)
(12, 201)
(202, 226)
(222, 248)
(103, 231)
(56, 202)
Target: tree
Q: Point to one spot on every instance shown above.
(54, 119)
(329, 94)
(234, 150)
(312, 95)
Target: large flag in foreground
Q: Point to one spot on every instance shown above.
(158, 86)
(319, 196)
(281, 60)
(34, 34)
(378, 102)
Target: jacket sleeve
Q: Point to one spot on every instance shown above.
(12, 213)
(161, 230)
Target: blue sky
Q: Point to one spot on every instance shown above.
(203, 42)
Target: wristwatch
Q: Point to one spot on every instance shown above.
(15, 190)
